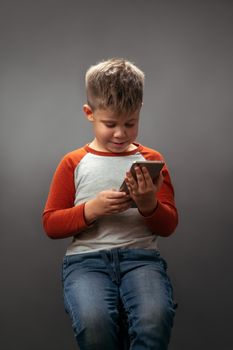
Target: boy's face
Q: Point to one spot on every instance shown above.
(113, 133)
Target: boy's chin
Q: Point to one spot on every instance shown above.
(120, 148)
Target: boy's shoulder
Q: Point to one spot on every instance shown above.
(150, 153)
(75, 156)
(78, 152)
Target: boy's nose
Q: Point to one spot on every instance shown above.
(119, 132)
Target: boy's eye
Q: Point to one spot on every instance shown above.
(129, 125)
(110, 125)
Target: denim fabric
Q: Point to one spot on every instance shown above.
(99, 286)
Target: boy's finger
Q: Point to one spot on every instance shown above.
(159, 181)
(140, 174)
(146, 175)
(117, 194)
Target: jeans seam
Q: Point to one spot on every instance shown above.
(128, 312)
(75, 321)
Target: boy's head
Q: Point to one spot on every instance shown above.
(115, 84)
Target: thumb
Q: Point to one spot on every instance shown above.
(160, 180)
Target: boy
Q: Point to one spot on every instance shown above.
(113, 262)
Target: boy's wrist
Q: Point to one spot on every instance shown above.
(89, 212)
(148, 211)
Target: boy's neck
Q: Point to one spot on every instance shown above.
(94, 145)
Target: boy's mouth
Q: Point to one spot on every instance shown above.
(119, 144)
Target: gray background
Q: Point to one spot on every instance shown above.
(185, 49)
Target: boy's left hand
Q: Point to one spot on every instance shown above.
(142, 190)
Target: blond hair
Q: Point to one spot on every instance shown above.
(116, 84)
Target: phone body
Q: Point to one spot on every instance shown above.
(153, 166)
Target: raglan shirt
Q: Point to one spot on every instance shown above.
(79, 177)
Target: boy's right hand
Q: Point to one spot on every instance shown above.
(106, 203)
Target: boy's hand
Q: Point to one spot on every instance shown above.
(142, 190)
(105, 203)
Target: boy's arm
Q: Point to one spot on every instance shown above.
(60, 217)
(164, 219)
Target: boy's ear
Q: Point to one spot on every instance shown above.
(88, 112)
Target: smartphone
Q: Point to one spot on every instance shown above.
(153, 166)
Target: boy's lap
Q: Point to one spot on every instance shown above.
(143, 282)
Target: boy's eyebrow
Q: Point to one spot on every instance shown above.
(115, 120)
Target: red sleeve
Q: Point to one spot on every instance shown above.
(164, 220)
(60, 217)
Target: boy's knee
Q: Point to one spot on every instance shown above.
(160, 316)
(94, 330)
(90, 322)
(156, 320)
(152, 327)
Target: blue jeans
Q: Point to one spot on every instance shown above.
(99, 286)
